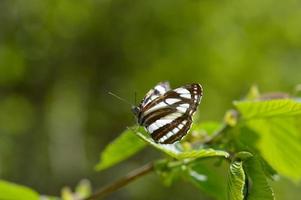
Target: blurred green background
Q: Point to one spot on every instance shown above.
(60, 58)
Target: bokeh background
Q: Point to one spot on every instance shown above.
(60, 58)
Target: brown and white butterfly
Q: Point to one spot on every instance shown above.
(167, 114)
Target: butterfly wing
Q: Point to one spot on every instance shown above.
(159, 90)
(169, 116)
(172, 131)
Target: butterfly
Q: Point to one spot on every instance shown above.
(167, 114)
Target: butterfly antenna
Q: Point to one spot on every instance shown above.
(121, 99)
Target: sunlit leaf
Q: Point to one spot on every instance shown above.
(279, 144)
(278, 141)
(12, 191)
(175, 151)
(271, 108)
(126, 145)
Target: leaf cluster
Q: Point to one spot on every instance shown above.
(258, 141)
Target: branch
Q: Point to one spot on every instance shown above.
(131, 176)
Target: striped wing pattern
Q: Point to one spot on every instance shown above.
(158, 90)
(167, 114)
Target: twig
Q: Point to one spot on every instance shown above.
(133, 175)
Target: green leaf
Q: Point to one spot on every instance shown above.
(202, 173)
(12, 191)
(243, 155)
(207, 178)
(267, 109)
(247, 179)
(168, 171)
(175, 150)
(236, 181)
(259, 188)
(279, 144)
(268, 170)
(126, 145)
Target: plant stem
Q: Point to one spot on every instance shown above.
(131, 176)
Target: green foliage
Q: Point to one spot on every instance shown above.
(236, 181)
(201, 173)
(271, 124)
(262, 128)
(247, 180)
(279, 141)
(205, 177)
(258, 186)
(126, 145)
(177, 151)
(129, 143)
(169, 172)
(11, 191)
(279, 144)
(126, 46)
(243, 155)
(269, 108)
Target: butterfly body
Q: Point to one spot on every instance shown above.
(167, 114)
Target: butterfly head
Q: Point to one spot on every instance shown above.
(136, 110)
